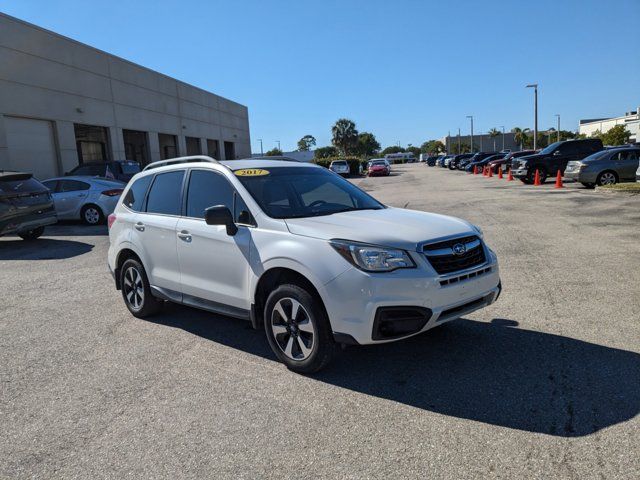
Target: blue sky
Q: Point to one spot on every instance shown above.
(407, 70)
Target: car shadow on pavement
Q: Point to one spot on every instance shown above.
(495, 373)
(42, 249)
(71, 228)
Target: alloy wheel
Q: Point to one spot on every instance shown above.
(133, 288)
(292, 329)
(607, 178)
(91, 215)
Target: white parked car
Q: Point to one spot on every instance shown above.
(296, 250)
(341, 167)
(90, 199)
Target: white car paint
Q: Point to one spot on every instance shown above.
(225, 270)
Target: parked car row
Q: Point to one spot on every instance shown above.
(586, 161)
(88, 193)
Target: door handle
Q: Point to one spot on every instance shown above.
(139, 226)
(184, 235)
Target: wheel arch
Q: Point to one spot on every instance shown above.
(90, 204)
(608, 170)
(271, 279)
(123, 255)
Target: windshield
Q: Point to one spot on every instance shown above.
(550, 148)
(338, 162)
(380, 162)
(295, 192)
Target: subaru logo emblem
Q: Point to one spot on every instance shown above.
(459, 249)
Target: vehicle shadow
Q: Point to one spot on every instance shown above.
(68, 228)
(493, 373)
(42, 249)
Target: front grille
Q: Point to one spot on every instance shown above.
(515, 164)
(443, 260)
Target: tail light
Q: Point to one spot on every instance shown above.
(110, 219)
(113, 192)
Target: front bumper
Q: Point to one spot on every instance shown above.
(355, 298)
(520, 173)
(18, 225)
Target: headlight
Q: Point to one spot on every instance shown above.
(371, 258)
(523, 163)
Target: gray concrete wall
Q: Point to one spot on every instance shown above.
(47, 76)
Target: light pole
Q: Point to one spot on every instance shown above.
(502, 127)
(471, 117)
(459, 147)
(480, 142)
(558, 115)
(278, 142)
(261, 150)
(535, 109)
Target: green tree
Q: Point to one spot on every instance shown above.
(415, 150)
(493, 133)
(392, 149)
(273, 152)
(306, 142)
(432, 146)
(344, 136)
(617, 135)
(464, 147)
(326, 152)
(521, 137)
(367, 144)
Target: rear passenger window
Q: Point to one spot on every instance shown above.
(207, 189)
(72, 186)
(164, 196)
(134, 197)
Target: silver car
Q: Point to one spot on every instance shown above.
(605, 167)
(341, 167)
(90, 199)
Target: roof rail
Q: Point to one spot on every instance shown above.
(173, 161)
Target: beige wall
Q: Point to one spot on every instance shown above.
(46, 76)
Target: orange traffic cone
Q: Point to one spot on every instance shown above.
(536, 179)
(500, 172)
(484, 171)
(510, 176)
(475, 169)
(559, 180)
(490, 171)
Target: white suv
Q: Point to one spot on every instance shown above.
(295, 249)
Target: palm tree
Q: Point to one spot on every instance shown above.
(520, 136)
(344, 135)
(493, 133)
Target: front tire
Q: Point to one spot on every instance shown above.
(91, 215)
(31, 234)
(298, 329)
(136, 291)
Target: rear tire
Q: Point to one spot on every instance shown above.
(31, 234)
(91, 215)
(136, 291)
(298, 329)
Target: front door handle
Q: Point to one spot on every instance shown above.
(139, 226)
(184, 235)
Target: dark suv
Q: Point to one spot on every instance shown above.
(121, 170)
(26, 206)
(553, 158)
(455, 161)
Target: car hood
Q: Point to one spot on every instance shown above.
(390, 227)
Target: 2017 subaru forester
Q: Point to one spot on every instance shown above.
(295, 249)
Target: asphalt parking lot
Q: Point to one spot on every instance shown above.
(546, 382)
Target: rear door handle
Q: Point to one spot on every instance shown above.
(139, 226)
(184, 235)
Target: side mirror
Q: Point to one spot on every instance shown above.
(221, 215)
(556, 153)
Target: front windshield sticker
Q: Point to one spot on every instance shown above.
(251, 172)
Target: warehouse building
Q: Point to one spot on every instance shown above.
(64, 103)
(631, 121)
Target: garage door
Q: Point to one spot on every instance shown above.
(31, 146)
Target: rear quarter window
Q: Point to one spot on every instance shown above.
(135, 195)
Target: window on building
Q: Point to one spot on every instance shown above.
(193, 146)
(229, 151)
(213, 148)
(164, 196)
(136, 146)
(168, 146)
(91, 143)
